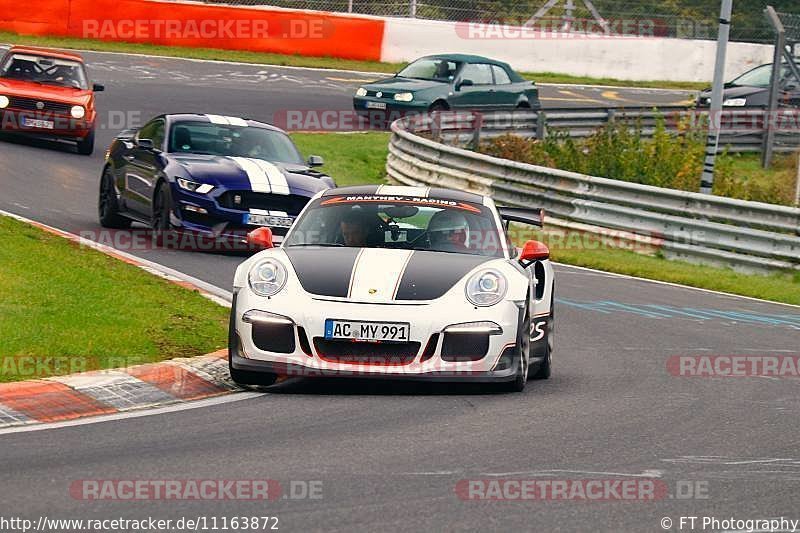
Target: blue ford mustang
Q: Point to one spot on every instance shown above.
(214, 175)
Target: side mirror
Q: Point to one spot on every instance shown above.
(315, 161)
(261, 238)
(534, 251)
(145, 144)
(464, 83)
(98, 88)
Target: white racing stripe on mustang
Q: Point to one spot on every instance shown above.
(377, 273)
(403, 190)
(259, 182)
(276, 178)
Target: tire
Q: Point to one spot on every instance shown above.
(544, 369)
(523, 105)
(86, 145)
(162, 209)
(107, 206)
(524, 349)
(243, 377)
(438, 106)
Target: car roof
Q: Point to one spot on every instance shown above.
(48, 52)
(200, 117)
(401, 190)
(467, 58)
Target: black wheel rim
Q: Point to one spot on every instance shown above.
(105, 198)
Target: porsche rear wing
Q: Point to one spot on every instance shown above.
(523, 215)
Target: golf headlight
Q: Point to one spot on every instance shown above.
(193, 186)
(77, 111)
(4, 101)
(267, 278)
(735, 102)
(361, 92)
(404, 97)
(486, 288)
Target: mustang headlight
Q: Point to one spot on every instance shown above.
(361, 91)
(77, 111)
(486, 288)
(735, 102)
(193, 186)
(4, 102)
(267, 278)
(404, 97)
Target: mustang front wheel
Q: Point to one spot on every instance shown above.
(107, 207)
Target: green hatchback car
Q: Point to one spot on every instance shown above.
(445, 82)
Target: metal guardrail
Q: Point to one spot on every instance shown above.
(742, 128)
(749, 236)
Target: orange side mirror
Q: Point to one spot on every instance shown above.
(534, 251)
(261, 237)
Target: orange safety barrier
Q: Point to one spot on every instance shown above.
(195, 25)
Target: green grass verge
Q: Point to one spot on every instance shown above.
(361, 158)
(60, 300)
(781, 287)
(216, 54)
(351, 158)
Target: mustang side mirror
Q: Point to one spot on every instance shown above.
(464, 83)
(261, 238)
(533, 251)
(98, 88)
(315, 161)
(145, 144)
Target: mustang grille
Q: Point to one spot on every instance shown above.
(245, 200)
(366, 353)
(30, 104)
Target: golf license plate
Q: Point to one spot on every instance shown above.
(366, 331)
(376, 105)
(268, 220)
(36, 123)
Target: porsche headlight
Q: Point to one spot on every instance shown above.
(77, 111)
(193, 186)
(361, 92)
(4, 101)
(486, 288)
(267, 278)
(735, 102)
(404, 97)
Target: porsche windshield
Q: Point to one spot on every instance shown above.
(234, 141)
(45, 70)
(404, 223)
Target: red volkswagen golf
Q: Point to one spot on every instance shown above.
(46, 93)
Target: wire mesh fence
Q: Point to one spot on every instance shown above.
(687, 19)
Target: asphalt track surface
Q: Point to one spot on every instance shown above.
(389, 455)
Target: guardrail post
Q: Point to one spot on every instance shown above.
(477, 125)
(541, 125)
(612, 116)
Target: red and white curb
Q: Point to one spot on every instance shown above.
(120, 390)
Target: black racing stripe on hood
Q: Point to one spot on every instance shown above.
(324, 271)
(431, 274)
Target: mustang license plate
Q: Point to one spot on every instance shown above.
(268, 220)
(366, 331)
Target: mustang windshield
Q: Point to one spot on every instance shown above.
(45, 70)
(430, 69)
(234, 141)
(398, 222)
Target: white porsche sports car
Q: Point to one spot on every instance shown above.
(395, 282)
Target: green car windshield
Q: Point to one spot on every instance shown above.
(431, 69)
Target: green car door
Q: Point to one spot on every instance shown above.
(474, 88)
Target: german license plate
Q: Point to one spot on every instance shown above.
(366, 331)
(268, 220)
(36, 123)
(376, 105)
